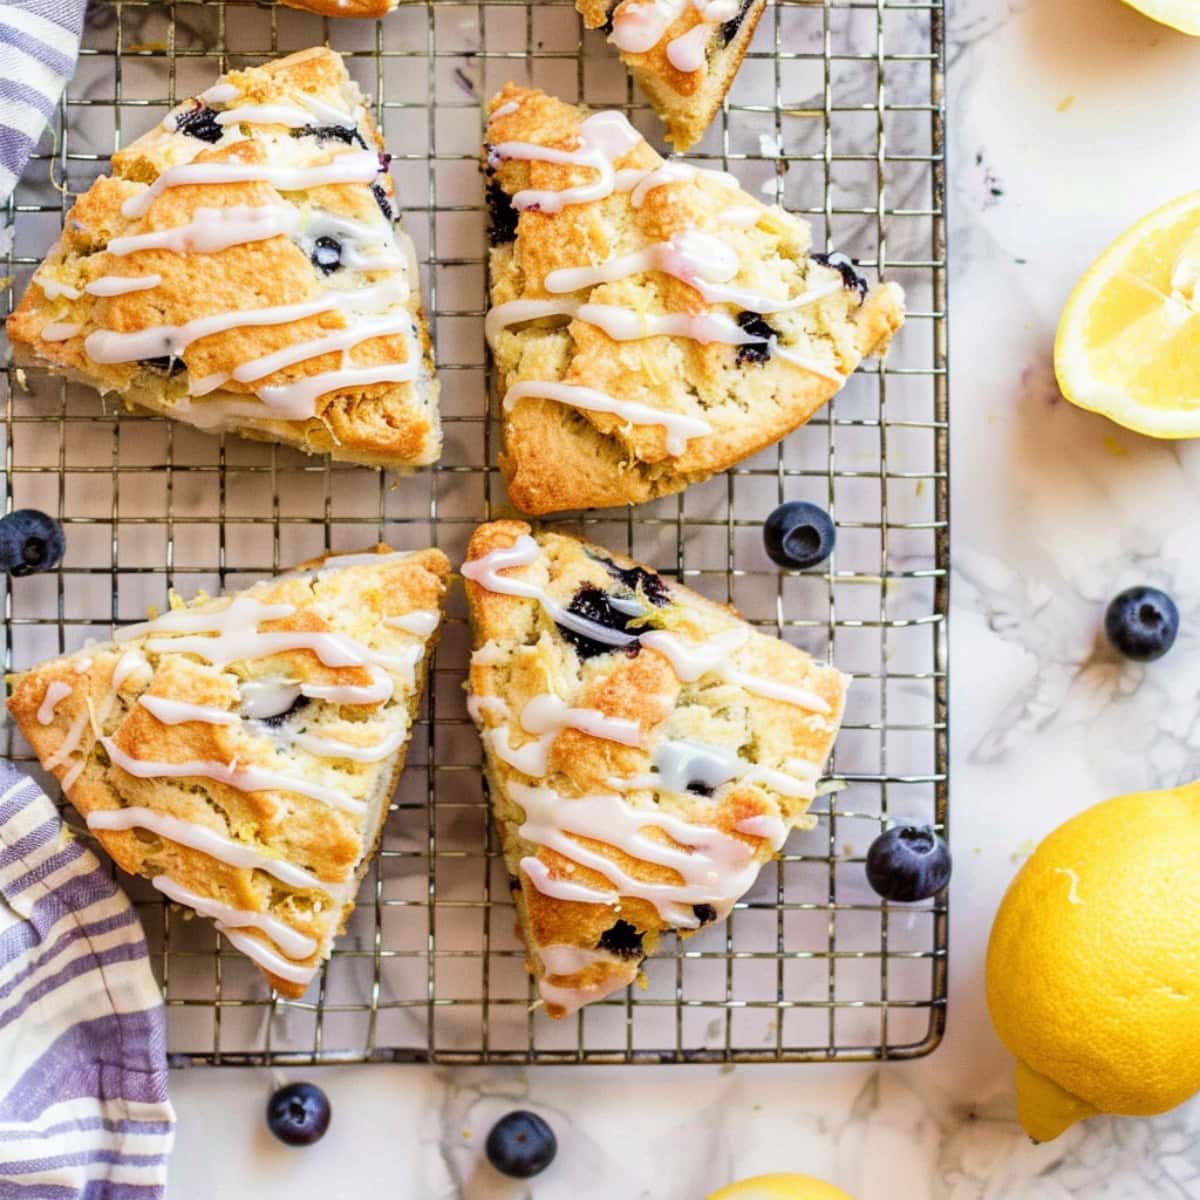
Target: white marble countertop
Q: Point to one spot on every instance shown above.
(1069, 119)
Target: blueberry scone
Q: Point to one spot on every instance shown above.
(647, 751)
(240, 752)
(242, 270)
(651, 323)
(682, 53)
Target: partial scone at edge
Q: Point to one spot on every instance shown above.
(756, 333)
(289, 763)
(279, 206)
(605, 764)
(686, 100)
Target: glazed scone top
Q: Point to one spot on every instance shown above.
(240, 751)
(680, 317)
(670, 37)
(618, 708)
(249, 239)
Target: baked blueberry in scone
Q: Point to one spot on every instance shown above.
(682, 53)
(242, 270)
(240, 752)
(651, 323)
(647, 751)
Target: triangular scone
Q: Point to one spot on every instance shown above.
(241, 270)
(651, 323)
(647, 750)
(241, 752)
(682, 53)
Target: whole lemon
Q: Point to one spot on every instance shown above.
(780, 1187)
(1093, 976)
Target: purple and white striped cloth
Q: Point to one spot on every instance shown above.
(84, 1113)
(39, 40)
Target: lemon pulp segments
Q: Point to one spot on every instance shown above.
(1128, 343)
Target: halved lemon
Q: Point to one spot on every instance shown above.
(780, 1187)
(1128, 343)
(1183, 15)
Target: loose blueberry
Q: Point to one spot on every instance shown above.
(595, 604)
(622, 940)
(502, 217)
(1142, 623)
(908, 862)
(799, 535)
(200, 121)
(754, 352)
(298, 1114)
(327, 255)
(30, 542)
(340, 133)
(521, 1145)
(852, 281)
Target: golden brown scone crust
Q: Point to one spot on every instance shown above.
(686, 101)
(384, 423)
(332, 843)
(557, 457)
(520, 653)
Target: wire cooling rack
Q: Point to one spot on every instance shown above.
(837, 114)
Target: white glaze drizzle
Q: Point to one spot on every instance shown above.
(243, 779)
(372, 558)
(561, 961)
(547, 716)
(82, 665)
(741, 216)
(176, 712)
(766, 826)
(131, 662)
(679, 427)
(120, 285)
(109, 346)
(524, 551)
(716, 868)
(564, 889)
(289, 940)
(702, 261)
(690, 660)
(290, 115)
(421, 623)
(641, 182)
(687, 52)
(51, 288)
(335, 748)
(213, 229)
(355, 166)
(263, 698)
(377, 691)
(70, 742)
(355, 238)
(237, 637)
(219, 93)
(479, 706)
(603, 138)
(296, 401)
(205, 840)
(506, 110)
(266, 957)
(56, 693)
(59, 331)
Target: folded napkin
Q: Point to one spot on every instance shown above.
(39, 40)
(84, 1113)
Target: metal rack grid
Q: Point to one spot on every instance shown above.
(837, 114)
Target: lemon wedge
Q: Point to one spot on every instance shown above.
(1183, 15)
(1128, 343)
(780, 1187)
